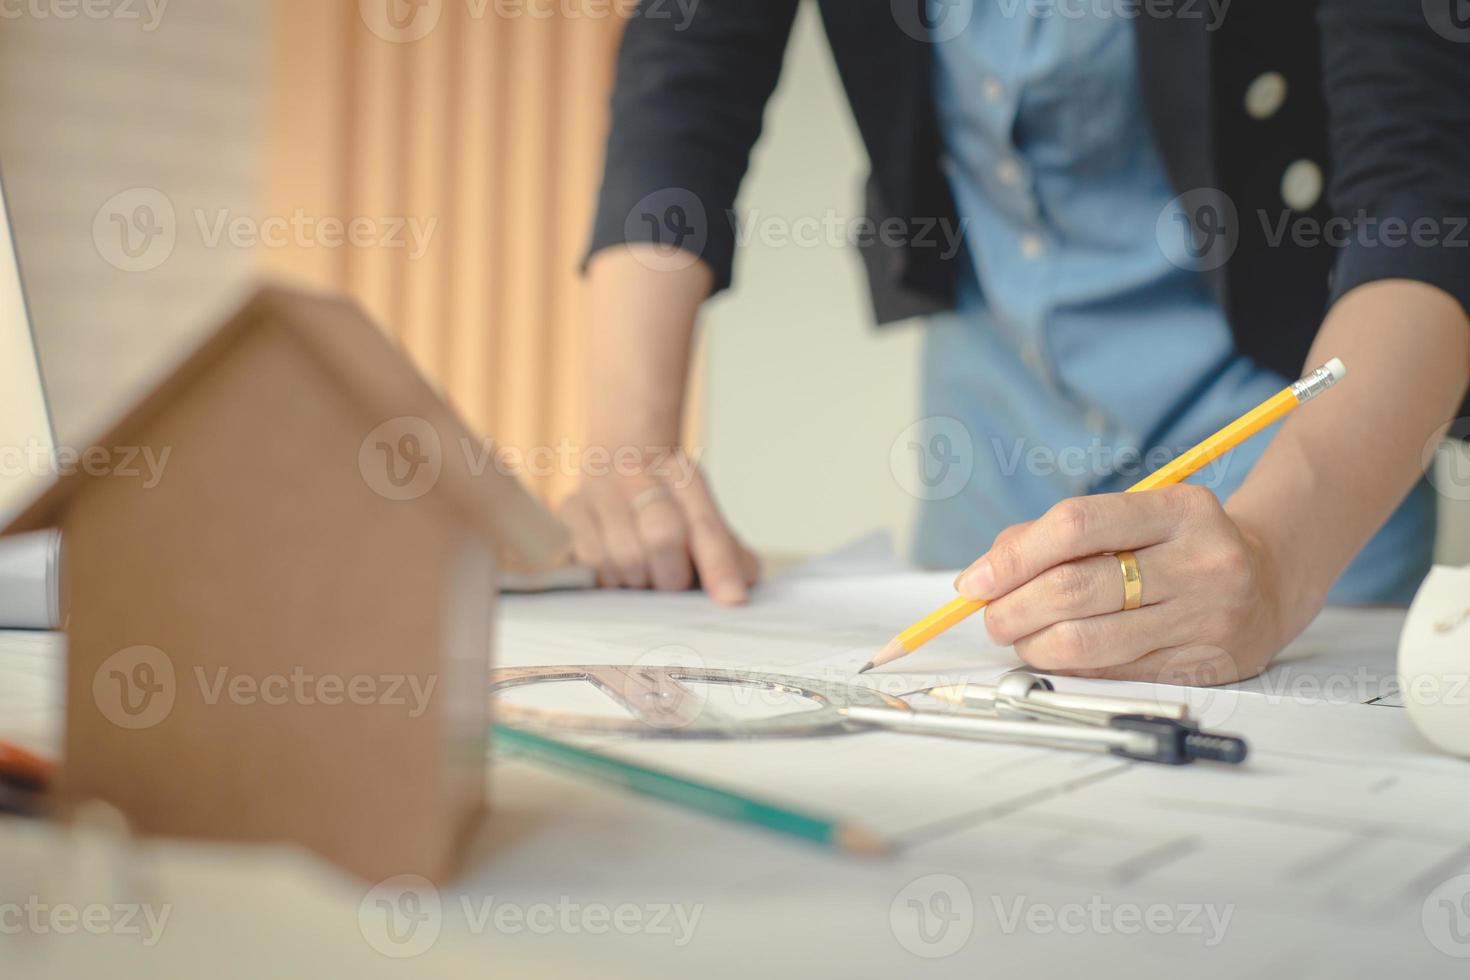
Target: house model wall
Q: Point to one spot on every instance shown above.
(285, 633)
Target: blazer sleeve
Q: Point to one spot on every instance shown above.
(686, 111)
(1397, 83)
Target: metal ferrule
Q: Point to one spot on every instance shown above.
(1313, 385)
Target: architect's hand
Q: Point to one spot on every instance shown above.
(659, 530)
(1211, 609)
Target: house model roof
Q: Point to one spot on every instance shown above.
(364, 363)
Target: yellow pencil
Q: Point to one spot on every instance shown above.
(1177, 470)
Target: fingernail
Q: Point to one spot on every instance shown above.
(977, 581)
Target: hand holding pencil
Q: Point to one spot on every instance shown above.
(1092, 587)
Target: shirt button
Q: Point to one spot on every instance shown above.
(1032, 247)
(1031, 354)
(1265, 96)
(1096, 421)
(1301, 185)
(992, 88)
(1009, 172)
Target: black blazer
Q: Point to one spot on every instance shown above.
(1377, 101)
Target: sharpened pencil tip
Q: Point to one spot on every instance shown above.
(865, 667)
(888, 654)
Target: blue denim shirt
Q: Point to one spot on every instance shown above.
(1085, 350)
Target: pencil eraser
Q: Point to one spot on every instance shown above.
(1337, 369)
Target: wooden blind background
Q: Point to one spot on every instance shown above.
(492, 127)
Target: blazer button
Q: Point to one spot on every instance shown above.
(1301, 185)
(1264, 97)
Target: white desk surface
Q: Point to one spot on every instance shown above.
(1321, 858)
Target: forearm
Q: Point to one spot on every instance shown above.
(640, 333)
(1341, 464)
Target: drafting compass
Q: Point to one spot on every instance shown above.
(662, 702)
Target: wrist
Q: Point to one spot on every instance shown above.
(1291, 591)
(623, 423)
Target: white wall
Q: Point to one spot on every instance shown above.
(804, 394)
(94, 108)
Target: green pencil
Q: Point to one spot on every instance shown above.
(686, 792)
